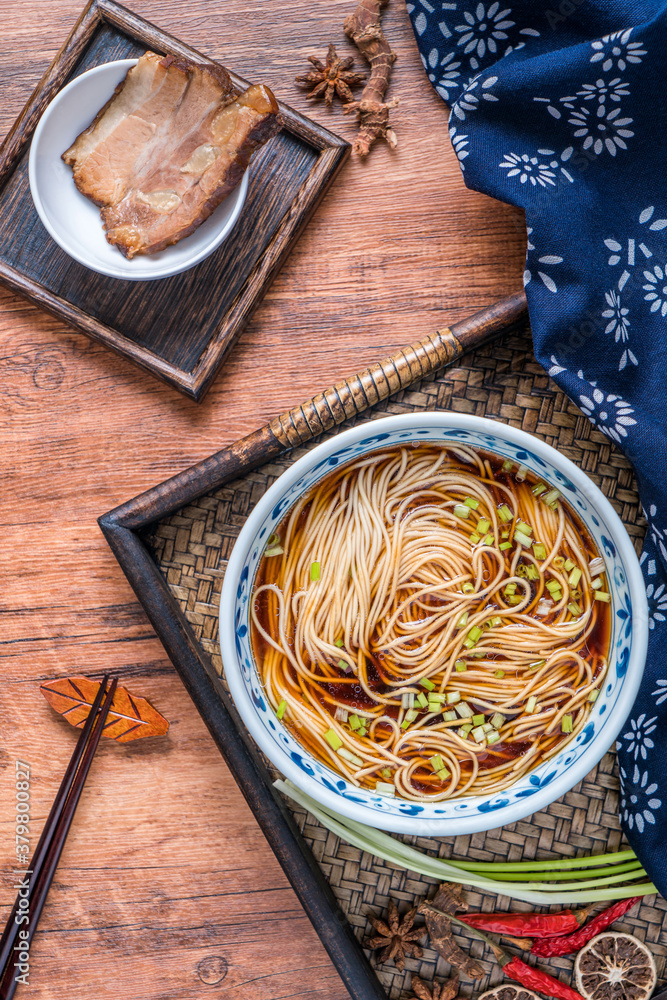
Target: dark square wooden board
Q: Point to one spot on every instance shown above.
(178, 328)
(173, 542)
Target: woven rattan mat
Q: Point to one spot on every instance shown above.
(505, 382)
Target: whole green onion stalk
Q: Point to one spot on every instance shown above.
(568, 881)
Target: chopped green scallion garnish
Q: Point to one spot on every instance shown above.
(275, 550)
(531, 572)
(422, 700)
(505, 514)
(574, 609)
(435, 696)
(474, 538)
(537, 664)
(478, 735)
(411, 715)
(464, 730)
(515, 599)
(602, 595)
(355, 722)
(492, 737)
(483, 525)
(468, 588)
(443, 774)
(453, 697)
(522, 539)
(384, 788)
(507, 465)
(538, 489)
(351, 757)
(566, 724)
(478, 720)
(386, 772)
(460, 666)
(426, 683)
(531, 705)
(597, 583)
(339, 643)
(497, 720)
(499, 673)
(596, 566)
(462, 620)
(524, 528)
(521, 473)
(462, 511)
(280, 711)
(510, 588)
(436, 762)
(488, 539)
(314, 571)
(333, 739)
(539, 551)
(344, 665)
(568, 565)
(551, 497)
(449, 716)
(471, 502)
(504, 546)
(464, 710)
(495, 621)
(594, 695)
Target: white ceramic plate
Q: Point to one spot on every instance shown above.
(73, 221)
(552, 778)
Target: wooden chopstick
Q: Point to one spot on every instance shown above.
(52, 840)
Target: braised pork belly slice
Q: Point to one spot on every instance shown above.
(170, 145)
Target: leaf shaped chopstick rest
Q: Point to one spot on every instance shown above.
(130, 718)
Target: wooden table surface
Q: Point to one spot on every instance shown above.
(166, 888)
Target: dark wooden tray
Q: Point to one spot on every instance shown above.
(130, 531)
(179, 329)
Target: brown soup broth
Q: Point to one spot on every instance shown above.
(348, 691)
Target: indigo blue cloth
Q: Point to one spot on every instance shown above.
(561, 108)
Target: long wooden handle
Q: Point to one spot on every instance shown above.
(323, 412)
(359, 392)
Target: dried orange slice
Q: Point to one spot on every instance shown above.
(508, 991)
(615, 966)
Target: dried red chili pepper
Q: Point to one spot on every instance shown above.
(514, 968)
(573, 942)
(535, 979)
(532, 925)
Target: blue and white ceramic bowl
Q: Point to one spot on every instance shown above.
(547, 782)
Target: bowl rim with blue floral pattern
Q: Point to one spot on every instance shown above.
(551, 779)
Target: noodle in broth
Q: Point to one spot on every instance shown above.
(431, 622)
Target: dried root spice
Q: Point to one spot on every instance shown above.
(396, 936)
(447, 900)
(435, 991)
(365, 30)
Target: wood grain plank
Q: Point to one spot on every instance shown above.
(399, 247)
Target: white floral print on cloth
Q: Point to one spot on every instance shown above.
(574, 137)
(638, 736)
(617, 51)
(639, 802)
(546, 260)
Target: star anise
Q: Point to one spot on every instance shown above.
(436, 991)
(396, 936)
(332, 77)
